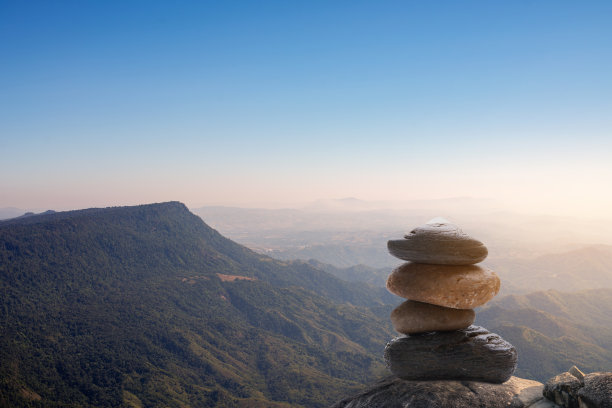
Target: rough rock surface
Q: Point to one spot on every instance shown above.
(416, 317)
(459, 287)
(562, 389)
(597, 391)
(396, 393)
(472, 354)
(575, 390)
(438, 242)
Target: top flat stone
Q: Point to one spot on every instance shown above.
(438, 242)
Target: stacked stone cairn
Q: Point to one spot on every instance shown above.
(443, 286)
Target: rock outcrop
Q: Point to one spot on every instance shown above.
(573, 389)
(393, 392)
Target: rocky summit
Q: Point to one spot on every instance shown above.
(438, 242)
(393, 392)
(571, 389)
(472, 354)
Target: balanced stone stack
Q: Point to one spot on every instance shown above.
(443, 286)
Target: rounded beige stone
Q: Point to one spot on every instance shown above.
(416, 317)
(458, 287)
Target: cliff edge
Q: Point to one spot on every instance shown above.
(571, 389)
(393, 392)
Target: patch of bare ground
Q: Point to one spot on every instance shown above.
(231, 278)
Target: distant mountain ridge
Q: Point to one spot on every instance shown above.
(554, 330)
(349, 232)
(357, 273)
(132, 306)
(585, 268)
(10, 212)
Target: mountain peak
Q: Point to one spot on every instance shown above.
(50, 215)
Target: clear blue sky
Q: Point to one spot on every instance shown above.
(263, 103)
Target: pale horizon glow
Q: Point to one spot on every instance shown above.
(277, 104)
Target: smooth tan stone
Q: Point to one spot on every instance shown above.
(459, 287)
(438, 242)
(416, 317)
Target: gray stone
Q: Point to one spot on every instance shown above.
(416, 317)
(562, 389)
(438, 242)
(573, 389)
(393, 392)
(544, 403)
(575, 371)
(459, 287)
(597, 391)
(472, 354)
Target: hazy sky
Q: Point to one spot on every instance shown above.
(263, 103)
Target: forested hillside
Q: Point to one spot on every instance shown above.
(148, 306)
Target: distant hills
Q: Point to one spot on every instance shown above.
(585, 268)
(358, 273)
(338, 238)
(7, 213)
(148, 306)
(554, 330)
(581, 269)
(349, 232)
(10, 212)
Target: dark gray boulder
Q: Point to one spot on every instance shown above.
(393, 392)
(562, 389)
(472, 354)
(573, 389)
(597, 391)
